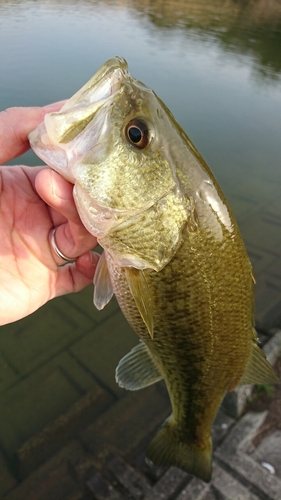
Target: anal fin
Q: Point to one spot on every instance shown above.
(258, 370)
(137, 369)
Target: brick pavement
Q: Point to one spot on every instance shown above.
(68, 432)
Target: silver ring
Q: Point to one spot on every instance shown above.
(56, 248)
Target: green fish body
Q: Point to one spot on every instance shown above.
(173, 254)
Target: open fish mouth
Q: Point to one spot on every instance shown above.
(52, 138)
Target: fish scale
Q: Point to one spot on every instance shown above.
(195, 322)
(173, 254)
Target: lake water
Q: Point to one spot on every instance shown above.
(217, 66)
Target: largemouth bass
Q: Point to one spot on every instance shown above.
(173, 254)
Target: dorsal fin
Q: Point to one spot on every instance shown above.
(103, 288)
(137, 369)
(142, 296)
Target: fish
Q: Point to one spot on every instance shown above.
(173, 254)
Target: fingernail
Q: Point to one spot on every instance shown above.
(94, 258)
(61, 188)
(54, 106)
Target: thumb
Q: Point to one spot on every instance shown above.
(16, 124)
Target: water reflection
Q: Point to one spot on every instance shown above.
(245, 27)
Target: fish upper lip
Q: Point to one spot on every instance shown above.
(93, 94)
(106, 82)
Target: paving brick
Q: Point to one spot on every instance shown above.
(228, 488)
(7, 480)
(36, 400)
(57, 479)
(131, 480)
(169, 484)
(102, 489)
(8, 374)
(223, 487)
(272, 349)
(101, 349)
(234, 402)
(272, 317)
(277, 321)
(126, 428)
(233, 454)
(221, 426)
(194, 490)
(212, 495)
(241, 434)
(266, 264)
(268, 451)
(83, 301)
(28, 343)
(268, 301)
(136, 486)
(274, 267)
(56, 434)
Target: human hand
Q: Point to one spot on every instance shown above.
(33, 201)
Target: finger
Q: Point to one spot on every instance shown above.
(59, 257)
(57, 193)
(86, 264)
(72, 240)
(54, 106)
(16, 124)
(74, 277)
(71, 237)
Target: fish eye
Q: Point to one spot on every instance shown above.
(137, 133)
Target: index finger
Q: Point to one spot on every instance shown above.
(16, 124)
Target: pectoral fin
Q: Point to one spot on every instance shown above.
(258, 370)
(103, 288)
(137, 370)
(142, 295)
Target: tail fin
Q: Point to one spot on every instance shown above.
(167, 448)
